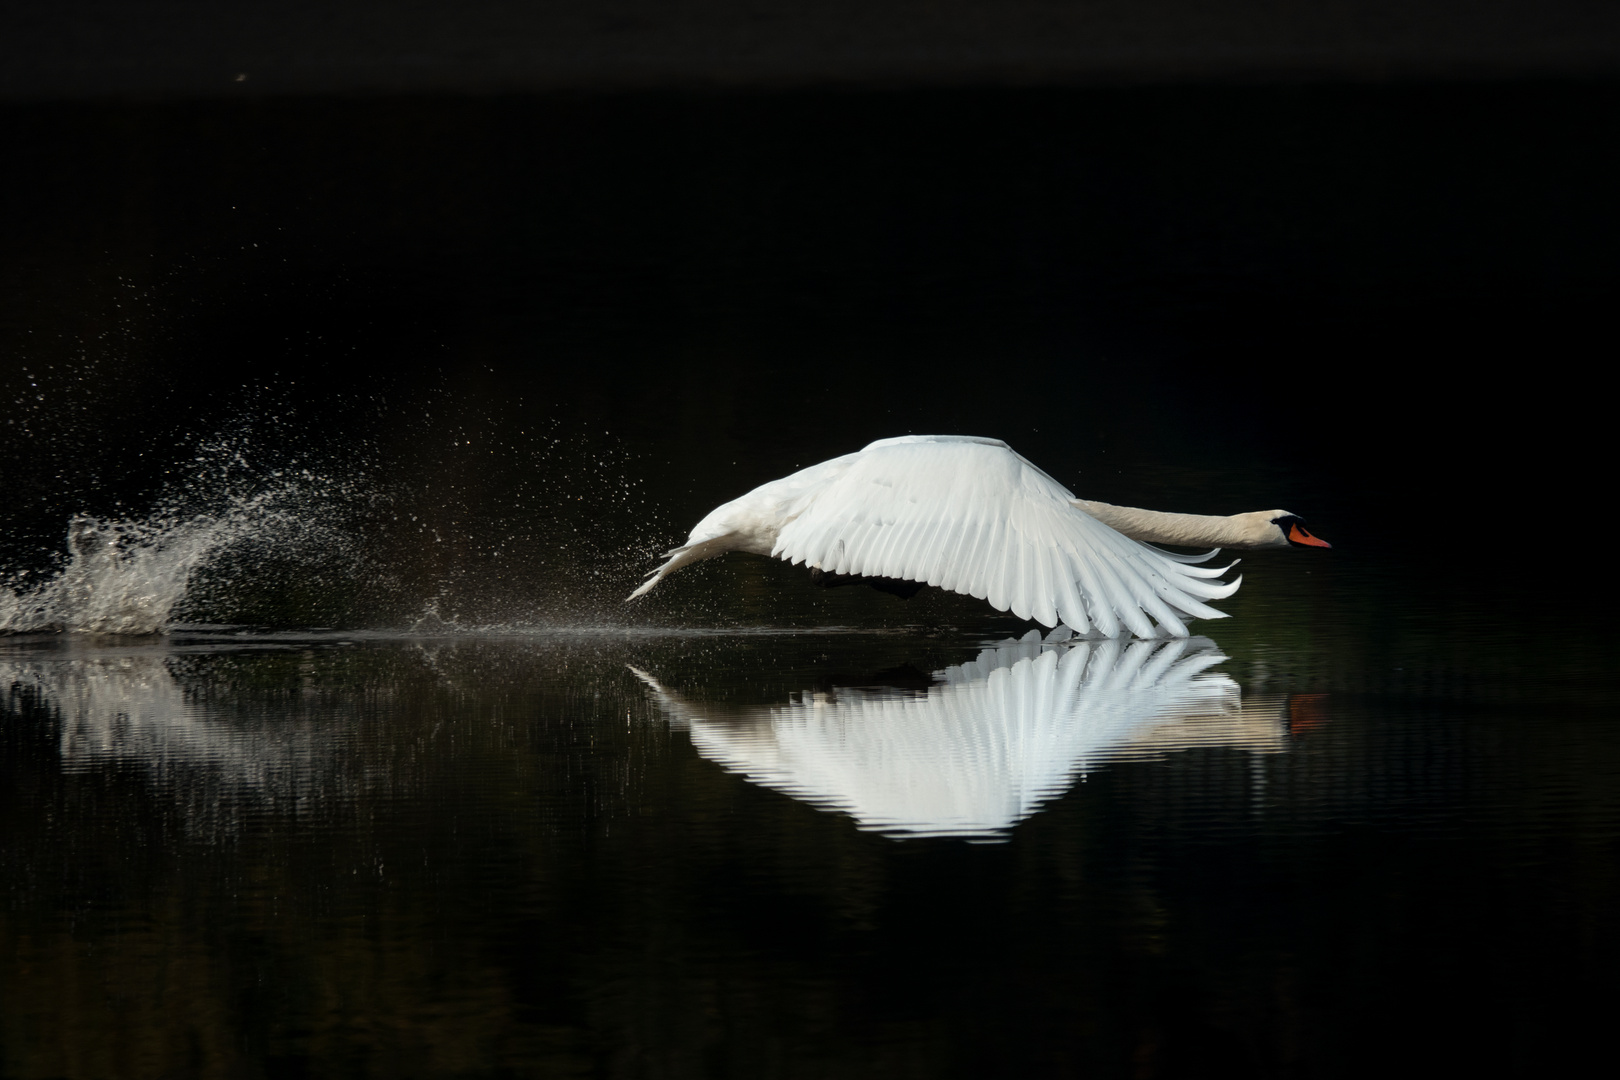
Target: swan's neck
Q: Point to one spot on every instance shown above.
(1253, 530)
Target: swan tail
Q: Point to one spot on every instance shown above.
(646, 587)
(685, 555)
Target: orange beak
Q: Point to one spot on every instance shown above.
(1300, 536)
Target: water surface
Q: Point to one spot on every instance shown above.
(786, 853)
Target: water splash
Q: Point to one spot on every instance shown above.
(121, 578)
(224, 523)
(446, 514)
(243, 536)
(132, 576)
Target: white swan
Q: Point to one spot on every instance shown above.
(970, 515)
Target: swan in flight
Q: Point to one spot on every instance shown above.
(969, 515)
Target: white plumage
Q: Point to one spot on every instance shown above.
(969, 515)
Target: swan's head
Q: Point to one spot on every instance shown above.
(1283, 529)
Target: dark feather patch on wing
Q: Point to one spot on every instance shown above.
(905, 590)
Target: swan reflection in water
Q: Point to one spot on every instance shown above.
(991, 741)
(235, 734)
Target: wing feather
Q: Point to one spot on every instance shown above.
(851, 551)
(905, 547)
(945, 535)
(1119, 595)
(922, 545)
(975, 579)
(1071, 606)
(1020, 578)
(1152, 599)
(953, 571)
(1102, 613)
(997, 569)
(1046, 585)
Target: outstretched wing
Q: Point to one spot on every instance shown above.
(971, 516)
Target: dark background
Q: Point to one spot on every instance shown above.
(516, 293)
(1357, 264)
(78, 48)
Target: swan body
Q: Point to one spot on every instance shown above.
(969, 515)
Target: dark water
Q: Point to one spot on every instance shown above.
(326, 855)
(377, 408)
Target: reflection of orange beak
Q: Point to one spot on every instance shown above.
(1306, 711)
(1300, 536)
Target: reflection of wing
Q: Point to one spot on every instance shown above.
(985, 748)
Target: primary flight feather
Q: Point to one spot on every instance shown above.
(969, 515)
